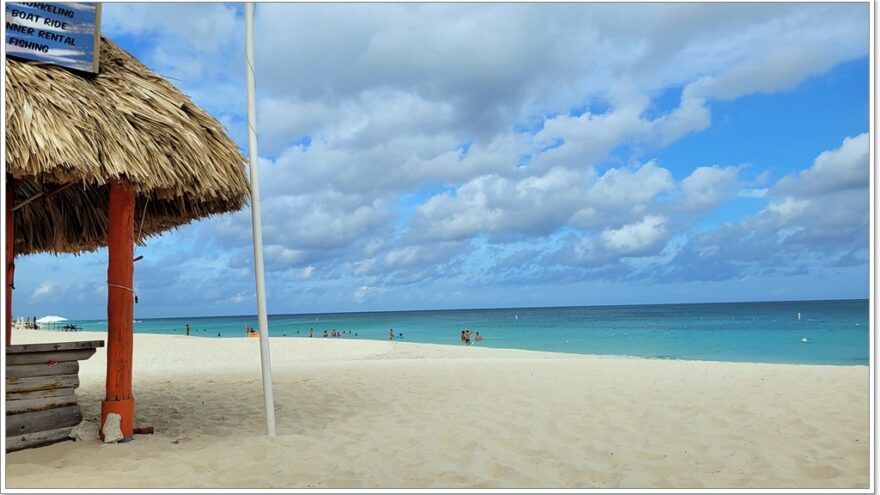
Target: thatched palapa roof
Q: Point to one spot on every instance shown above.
(126, 122)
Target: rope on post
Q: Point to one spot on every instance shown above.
(126, 288)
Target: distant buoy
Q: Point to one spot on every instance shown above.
(804, 340)
(515, 317)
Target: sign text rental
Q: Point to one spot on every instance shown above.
(65, 34)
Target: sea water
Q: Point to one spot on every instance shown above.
(837, 332)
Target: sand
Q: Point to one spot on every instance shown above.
(369, 414)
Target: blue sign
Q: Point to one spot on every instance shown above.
(66, 34)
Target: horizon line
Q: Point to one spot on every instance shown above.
(316, 313)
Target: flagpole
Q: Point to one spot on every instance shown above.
(262, 320)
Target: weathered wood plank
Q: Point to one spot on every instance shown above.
(44, 357)
(42, 369)
(50, 419)
(38, 439)
(41, 383)
(39, 394)
(54, 346)
(41, 404)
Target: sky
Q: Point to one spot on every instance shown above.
(431, 156)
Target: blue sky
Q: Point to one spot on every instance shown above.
(458, 156)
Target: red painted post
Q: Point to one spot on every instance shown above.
(120, 307)
(10, 254)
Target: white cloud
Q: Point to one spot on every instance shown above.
(829, 200)
(620, 187)
(707, 187)
(840, 169)
(277, 254)
(43, 290)
(637, 238)
(621, 195)
(533, 204)
(538, 205)
(753, 193)
(241, 297)
(643, 238)
(205, 27)
(780, 52)
(788, 209)
(306, 273)
(816, 218)
(365, 293)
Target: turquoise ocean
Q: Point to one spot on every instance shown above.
(837, 332)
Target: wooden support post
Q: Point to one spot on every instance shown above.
(120, 307)
(10, 254)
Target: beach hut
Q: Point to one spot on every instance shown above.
(109, 159)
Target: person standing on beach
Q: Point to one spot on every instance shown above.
(187, 328)
(390, 334)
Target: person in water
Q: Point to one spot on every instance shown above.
(390, 334)
(325, 333)
(311, 332)
(187, 328)
(479, 337)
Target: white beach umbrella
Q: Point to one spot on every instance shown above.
(51, 319)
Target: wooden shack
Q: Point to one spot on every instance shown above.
(41, 383)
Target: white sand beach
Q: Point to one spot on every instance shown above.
(365, 414)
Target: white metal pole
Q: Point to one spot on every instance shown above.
(263, 322)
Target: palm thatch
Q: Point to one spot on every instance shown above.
(125, 123)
